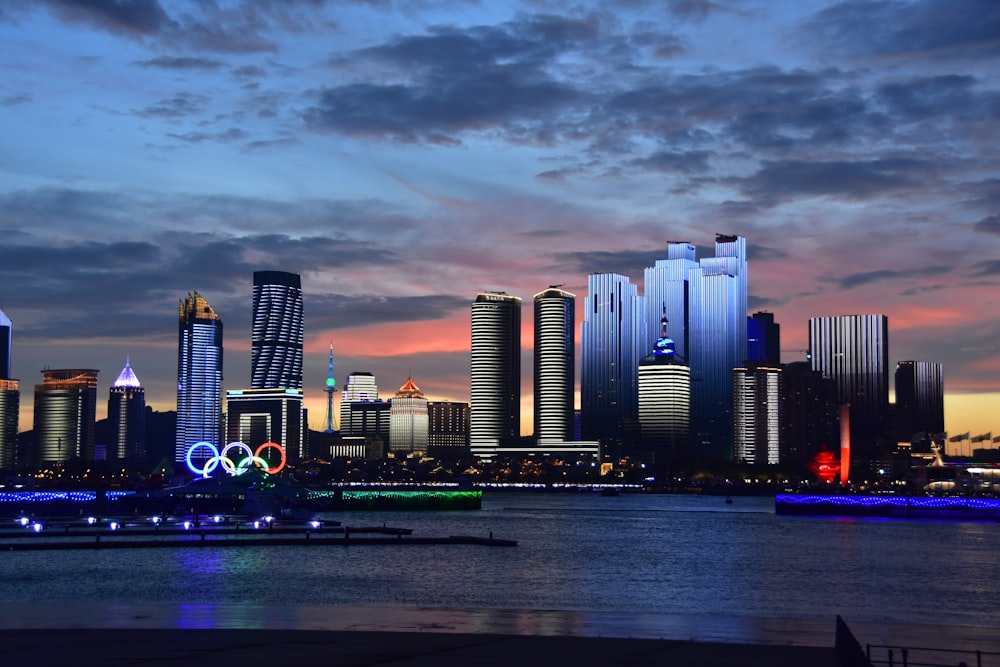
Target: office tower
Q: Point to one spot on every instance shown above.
(495, 372)
(65, 415)
(277, 334)
(757, 413)
(199, 375)
(5, 339)
(408, 421)
(717, 343)
(555, 364)
(854, 351)
(763, 338)
(331, 384)
(666, 283)
(127, 416)
(664, 401)
(10, 399)
(447, 427)
(256, 416)
(809, 410)
(919, 401)
(368, 419)
(358, 387)
(611, 339)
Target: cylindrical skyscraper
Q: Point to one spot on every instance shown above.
(495, 372)
(277, 335)
(555, 365)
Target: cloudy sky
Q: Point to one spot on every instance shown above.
(405, 155)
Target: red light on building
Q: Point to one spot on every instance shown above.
(824, 466)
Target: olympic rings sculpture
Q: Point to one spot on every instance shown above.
(228, 464)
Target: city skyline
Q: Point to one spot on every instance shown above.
(402, 159)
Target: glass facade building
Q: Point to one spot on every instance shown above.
(757, 414)
(853, 350)
(919, 401)
(127, 416)
(65, 416)
(6, 330)
(612, 337)
(277, 332)
(555, 365)
(408, 420)
(199, 375)
(359, 387)
(10, 407)
(495, 372)
(763, 338)
(666, 285)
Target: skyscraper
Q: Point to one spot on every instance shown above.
(10, 399)
(495, 372)
(408, 421)
(65, 415)
(358, 387)
(127, 416)
(277, 334)
(757, 413)
(612, 337)
(763, 338)
(199, 375)
(809, 413)
(666, 283)
(257, 416)
(853, 350)
(919, 400)
(664, 401)
(448, 427)
(555, 365)
(717, 343)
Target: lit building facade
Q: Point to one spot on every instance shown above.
(664, 402)
(757, 413)
(277, 332)
(495, 372)
(853, 350)
(919, 400)
(666, 284)
(127, 416)
(6, 334)
(199, 375)
(256, 416)
(65, 416)
(555, 365)
(408, 420)
(612, 338)
(359, 387)
(447, 426)
(10, 406)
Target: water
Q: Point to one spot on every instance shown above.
(630, 554)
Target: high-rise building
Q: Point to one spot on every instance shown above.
(65, 416)
(809, 413)
(5, 338)
(555, 365)
(277, 334)
(448, 427)
(408, 421)
(853, 350)
(257, 416)
(919, 400)
(763, 338)
(612, 337)
(127, 416)
(358, 387)
(664, 401)
(199, 375)
(495, 372)
(666, 284)
(717, 343)
(10, 399)
(757, 413)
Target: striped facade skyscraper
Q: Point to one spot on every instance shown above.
(919, 400)
(199, 375)
(408, 421)
(65, 416)
(612, 340)
(555, 365)
(495, 372)
(277, 333)
(664, 401)
(10, 399)
(127, 416)
(359, 387)
(853, 350)
(757, 395)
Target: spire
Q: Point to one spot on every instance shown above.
(127, 378)
(330, 384)
(664, 348)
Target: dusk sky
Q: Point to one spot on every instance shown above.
(403, 156)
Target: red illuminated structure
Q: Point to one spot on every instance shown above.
(824, 466)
